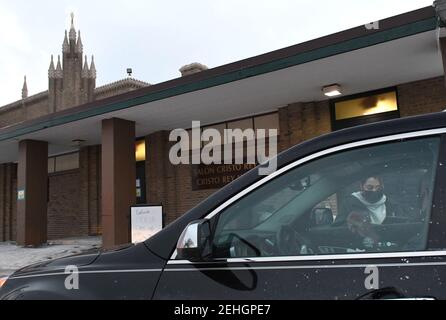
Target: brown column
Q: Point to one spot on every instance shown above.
(8, 201)
(32, 193)
(118, 180)
(443, 55)
(161, 178)
(3, 211)
(90, 176)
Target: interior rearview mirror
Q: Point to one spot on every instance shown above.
(301, 184)
(194, 243)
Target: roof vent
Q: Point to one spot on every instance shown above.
(192, 68)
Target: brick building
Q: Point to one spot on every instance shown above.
(80, 140)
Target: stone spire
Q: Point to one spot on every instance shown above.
(51, 70)
(79, 46)
(85, 70)
(25, 90)
(58, 73)
(72, 35)
(92, 68)
(66, 45)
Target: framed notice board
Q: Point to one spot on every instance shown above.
(146, 221)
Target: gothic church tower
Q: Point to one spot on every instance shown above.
(72, 81)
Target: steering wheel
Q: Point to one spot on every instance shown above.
(289, 242)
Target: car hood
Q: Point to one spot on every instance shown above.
(80, 260)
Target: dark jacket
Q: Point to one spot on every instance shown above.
(352, 204)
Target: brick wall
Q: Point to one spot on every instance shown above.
(168, 184)
(37, 109)
(65, 219)
(18, 112)
(74, 199)
(90, 187)
(160, 177)
(189, 198)
(302, 121)
(421, 97)
(11, 116)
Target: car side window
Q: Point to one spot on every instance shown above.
(375, 198)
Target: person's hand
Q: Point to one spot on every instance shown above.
(358, 222)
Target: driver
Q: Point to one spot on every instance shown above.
(370, 202)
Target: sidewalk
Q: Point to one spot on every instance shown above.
(13, 257)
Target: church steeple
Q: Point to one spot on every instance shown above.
(72, 29)
(85, 70)
(25, 90)
(66, 45)
(72, 82)
(92, 68)
(59, 72)
(79, 45)
(51, 69)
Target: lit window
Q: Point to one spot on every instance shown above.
(366, 106)
(140, 150)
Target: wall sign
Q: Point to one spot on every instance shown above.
(217, 176)
(21, 195)
(146, 221)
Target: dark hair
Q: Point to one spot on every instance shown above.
(363, 181)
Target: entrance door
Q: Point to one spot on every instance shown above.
(141, 197)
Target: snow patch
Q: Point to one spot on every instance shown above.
(13, 257)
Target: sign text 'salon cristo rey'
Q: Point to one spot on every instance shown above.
(213, 155)
(216, 176)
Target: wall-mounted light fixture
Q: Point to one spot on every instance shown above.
(332, 90)
(77, 142)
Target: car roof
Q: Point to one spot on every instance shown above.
(368, 131)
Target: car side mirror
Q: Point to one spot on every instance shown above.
(194, 243)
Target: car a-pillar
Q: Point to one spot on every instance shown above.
(442, 44)
(32, 193)
(118, 180)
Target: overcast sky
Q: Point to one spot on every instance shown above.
(156, 38)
